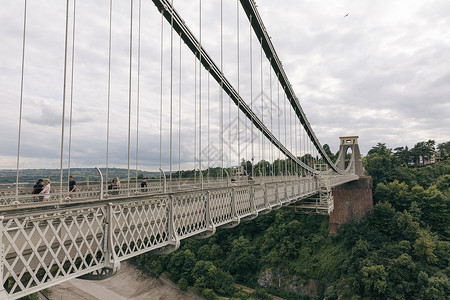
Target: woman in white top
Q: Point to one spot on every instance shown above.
(46, 190)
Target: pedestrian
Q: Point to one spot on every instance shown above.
(72, 187)
(115, 186)
(144, 185)
(46, 190)
(37, 188)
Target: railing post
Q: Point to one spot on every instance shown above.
(277, 196)
(164, 184)
(252, 201)
(235, 219)
(285, 192)
(228, 177)
(170, 219)
(201, 179)
(209, 221)
(172, 236)
(233, 204)
(101, 183)
(293, 190)
(3, 293)
(111, 259)
(207, 207)
(266, 199)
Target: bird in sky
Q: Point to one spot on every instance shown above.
(346, 15)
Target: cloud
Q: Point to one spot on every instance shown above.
(379, 73)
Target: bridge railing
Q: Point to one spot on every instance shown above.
(91, 191)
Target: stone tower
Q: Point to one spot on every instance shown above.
(351, 142)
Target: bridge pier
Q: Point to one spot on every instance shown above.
(351, 200)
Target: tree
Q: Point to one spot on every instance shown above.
(424, 247)
(435, 209)
(395, 193)
(444, 149)
(374, 280)
(443, 183)
(380, 165)
(327, 149)
(181, 265)
(423, 151)
(381, 149)
(242, 261)
(403, 155)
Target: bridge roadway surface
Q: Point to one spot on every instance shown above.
(45, 243)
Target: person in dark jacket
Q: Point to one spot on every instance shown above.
(72, 186)
(144, 185)
(37, 189)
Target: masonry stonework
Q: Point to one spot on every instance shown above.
(351, 200)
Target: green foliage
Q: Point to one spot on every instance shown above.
(399, 251)
(34, 296)
(444, 149)
(183, 284)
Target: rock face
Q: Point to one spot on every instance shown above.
(282, 279)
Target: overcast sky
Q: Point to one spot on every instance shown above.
(376, 69)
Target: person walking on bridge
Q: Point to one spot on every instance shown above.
(115, 186)
(46, 190)
(37, 188)
(144, 185)
(72, 187)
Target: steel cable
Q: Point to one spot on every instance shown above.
(64, 101)
(71, 93)
(21, 96)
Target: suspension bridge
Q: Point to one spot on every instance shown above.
(224, 129)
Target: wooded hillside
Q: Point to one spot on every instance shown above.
(399, 251)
